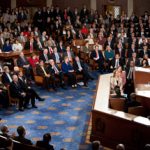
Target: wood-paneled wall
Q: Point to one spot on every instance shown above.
(72, 3)
(140, 6)
(5, 4)
(31, 3)
(102, 3)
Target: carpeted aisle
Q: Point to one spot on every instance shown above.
(65, 114)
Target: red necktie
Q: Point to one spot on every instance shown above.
(31, 47)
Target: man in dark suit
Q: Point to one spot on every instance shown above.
(41, 70)
(23, 63)
(55, 71)
(45, 56)
(116, 62)
(32, 93)
(129, 86)
(17, 91)
(31, 45)
(21, 136)
(4, 99)
(98, 57)
(69, 54)
(144, 51)
(56, 56)
(81, 68)
(121, 51)
(45, 142)
(131, 50)
(6, 76)
(135, 59)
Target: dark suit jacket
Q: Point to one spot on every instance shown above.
(122, 53)
(75, 65)
(93, 55)
(54, 57)
(141, 53)
(66, 55)
(16, 90)
(130, 51)
(42, 57)
(23, 140)
(44, 145)
(5, 79)
(27, 45)
(23, 83)
(21, 62)
(39, 71)
(51, 71)
(113, 62)
(61, 50)
(137, 62)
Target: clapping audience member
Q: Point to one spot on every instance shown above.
(17, 91)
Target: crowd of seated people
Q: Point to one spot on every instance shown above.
(114, 44)
(21, 137)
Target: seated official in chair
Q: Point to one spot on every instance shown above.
(45, 56)
(97, 55)
(4, 99)
(45, 142)
(23, 63)
(81, 68)
(68, 70)
(69, 54)
(56, 56)
(55, 71)
(33, 94)
(17, 91)
(21, 136)
(42, 71)
(6, 76)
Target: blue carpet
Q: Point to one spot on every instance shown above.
(65, 114)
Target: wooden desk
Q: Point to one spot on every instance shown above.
(142, 87)
(14, 55)
(112, 127)
(141, 75)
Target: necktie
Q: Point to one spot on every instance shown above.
(31, 47)
(117, 63)
(46, 57)
(79, 65)
(44, 71)
(130, 73)
(97, 55)
(55, 69)
(10, 79)
(57, 58)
